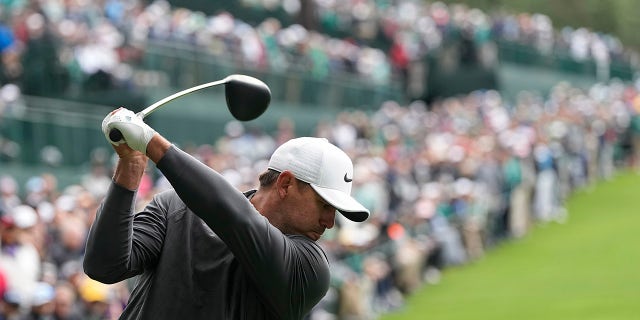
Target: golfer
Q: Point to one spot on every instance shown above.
(204, 250)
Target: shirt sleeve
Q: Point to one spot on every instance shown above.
(120, 244)
(291, 273)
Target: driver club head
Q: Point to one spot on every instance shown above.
(247, 97)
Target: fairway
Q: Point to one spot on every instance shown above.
(587, 268)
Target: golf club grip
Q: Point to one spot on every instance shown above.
(115, 135)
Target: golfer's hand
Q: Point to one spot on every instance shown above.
(135, 133)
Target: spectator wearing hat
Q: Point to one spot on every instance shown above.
(42, 305)
(98, 298)
(19, 258)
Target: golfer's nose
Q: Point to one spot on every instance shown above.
(328, 219)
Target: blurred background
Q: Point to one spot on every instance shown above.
(469, 123)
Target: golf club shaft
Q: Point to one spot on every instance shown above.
(150, 109)
(115, 134)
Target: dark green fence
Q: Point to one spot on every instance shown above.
(70, 127)
(558, 60)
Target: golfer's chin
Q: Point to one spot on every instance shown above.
(315, 236)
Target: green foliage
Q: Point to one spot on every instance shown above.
(584, 269)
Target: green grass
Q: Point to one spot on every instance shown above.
(587, 268)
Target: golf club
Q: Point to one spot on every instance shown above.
(247, 98)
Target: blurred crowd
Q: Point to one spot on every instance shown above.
(50, 47)
(445, 183)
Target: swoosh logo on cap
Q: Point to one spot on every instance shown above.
(346, 179)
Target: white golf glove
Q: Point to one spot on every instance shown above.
(135, 132)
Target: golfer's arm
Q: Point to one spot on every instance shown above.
(206, 192)
(202, 189)
(120, 244)
(109, 240)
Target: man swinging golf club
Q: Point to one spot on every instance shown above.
(204, 250)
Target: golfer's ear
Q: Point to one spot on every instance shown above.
(285, 180)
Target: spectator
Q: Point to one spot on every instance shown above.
(98, 300)
(8, 194)
(43, 73)
(19, 258)
(66, 305)
(42, 305)
(68, 240)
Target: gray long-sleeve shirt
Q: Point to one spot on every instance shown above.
(202, 251)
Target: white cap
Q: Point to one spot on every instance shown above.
(43, 293)
(24, 216)
(326, 168)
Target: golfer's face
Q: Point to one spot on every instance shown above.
(308, 213)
